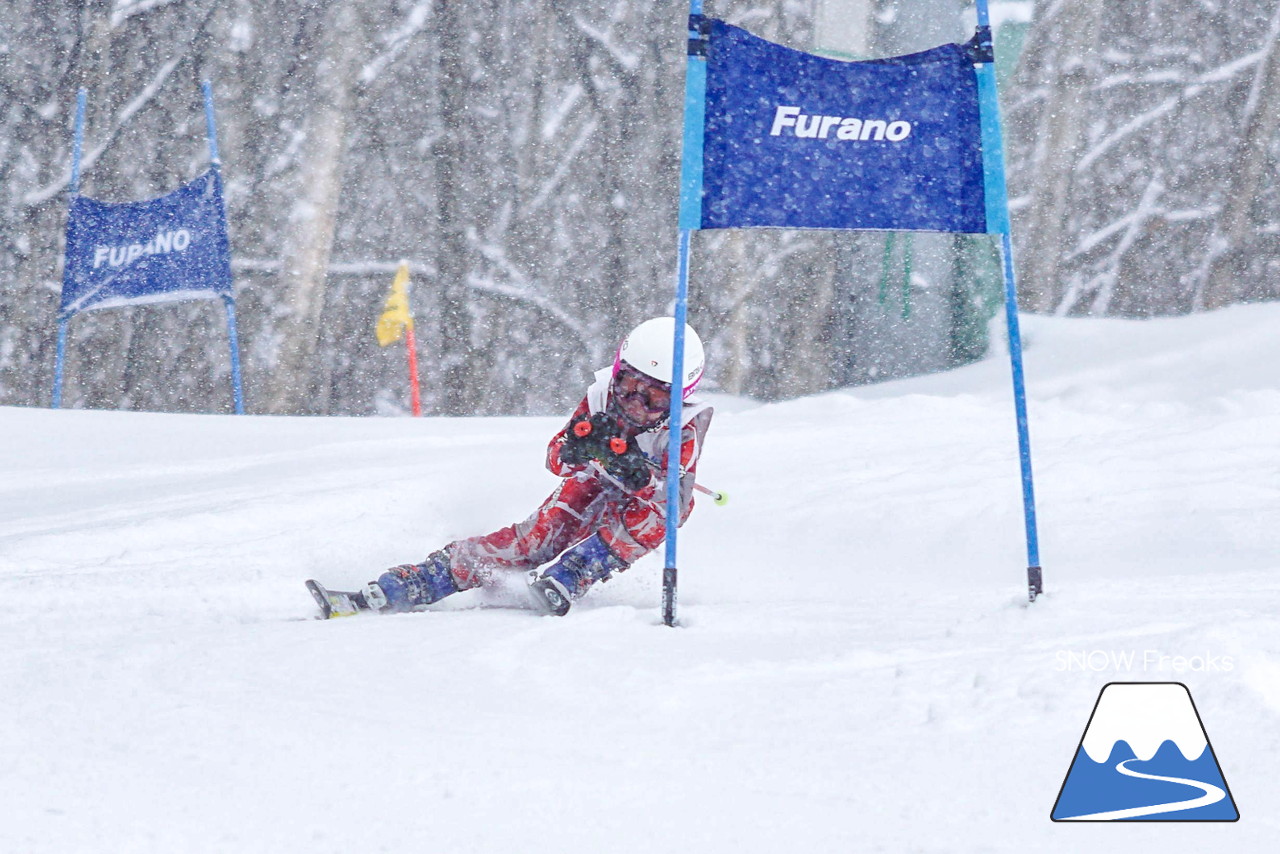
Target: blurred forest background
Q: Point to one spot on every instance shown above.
(523, 156)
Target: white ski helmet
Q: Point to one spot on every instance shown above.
(649, 347)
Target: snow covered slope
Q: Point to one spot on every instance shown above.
(855, 669)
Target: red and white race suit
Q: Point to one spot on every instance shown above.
(589, 501)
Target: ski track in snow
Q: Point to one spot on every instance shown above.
(856, 668)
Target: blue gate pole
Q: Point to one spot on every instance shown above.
(675, 429)
(233, 342)
(82, 99)
(233, 338)
(997, 202)
(207, 88)
(58, 362)
(77, 147)
(695, 89)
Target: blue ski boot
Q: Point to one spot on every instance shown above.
(403, 588)
(576, 570)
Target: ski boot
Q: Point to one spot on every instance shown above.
(576, 570)
(403, 588)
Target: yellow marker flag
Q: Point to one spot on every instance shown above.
(395, 311)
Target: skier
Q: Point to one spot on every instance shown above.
(610, 507)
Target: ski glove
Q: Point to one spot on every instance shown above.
(598, 438)
(629, 466)
(587, 439)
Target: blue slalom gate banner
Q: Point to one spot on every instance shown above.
(778, 138)
(166, 249)
(174, 247)
(794, 140)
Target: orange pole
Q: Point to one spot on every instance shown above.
(415, 396)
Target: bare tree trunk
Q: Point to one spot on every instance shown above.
(1058, 140)
(459, 394)
(1235, 225)
(810, 369)
(734, 360)
(95, 33)
(308, 236)
(90, 67)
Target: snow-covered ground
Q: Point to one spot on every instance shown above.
(855, 668)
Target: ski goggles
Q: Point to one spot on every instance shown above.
(632, 386)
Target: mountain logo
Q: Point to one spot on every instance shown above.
(1145, 756)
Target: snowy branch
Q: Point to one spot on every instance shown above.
(1255, 91)
(144, 97)
(1049, 13)
(549, 186)
(484, 285)
(1103, 284)
(1125, 223)
(628, 61)
(36, 197)
(1161, 75)
(126, 9)
(561, 111)
(414, 22)
(522, 289)
(768, 269)
(339, 268)
(1029, 97)
(1218, 75)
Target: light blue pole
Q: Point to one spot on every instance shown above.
(233, 338)
(57, 367)
(233, 341)
(997, 203)
(77, 147)
(675, 429)
(695, 115)
(207, 88)
(82, 99)
(695, 87)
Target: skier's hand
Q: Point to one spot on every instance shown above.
(588, 439)
(627, 463)
(574, 451)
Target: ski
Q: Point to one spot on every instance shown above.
(539, 596)
(335, 603)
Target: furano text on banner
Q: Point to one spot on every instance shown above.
(174, 247)
(793, 140)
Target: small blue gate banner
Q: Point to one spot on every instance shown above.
(171, 248)
(794, 140)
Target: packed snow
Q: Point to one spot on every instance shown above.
(855, 668)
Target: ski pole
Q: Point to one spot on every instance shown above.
(619, 446)
(720, 499)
